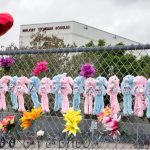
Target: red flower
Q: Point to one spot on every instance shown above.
(7, 123)
(10, 119)
(40, 67)
(115, 134)
(4, 122)
(36, 71)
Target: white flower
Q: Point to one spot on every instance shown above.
(40, 133)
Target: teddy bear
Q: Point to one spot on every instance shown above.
(89, 88)
(13, 97)
(126, 90)
(113, 89)
(19, 90)
(139, 83)
(100, 91)
(65, 89)
(3, 89)
(56, 90)
(147, 95)
(44, 89)
(78, 89)
(33, 86)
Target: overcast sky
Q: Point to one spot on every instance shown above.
(128, 18)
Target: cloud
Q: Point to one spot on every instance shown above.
(128, 18)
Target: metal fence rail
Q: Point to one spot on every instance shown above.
(109, 60)
(80, 49)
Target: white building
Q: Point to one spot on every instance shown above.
(71, 32)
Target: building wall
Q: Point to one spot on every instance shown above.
(62, 30)
(81, 31)
(71, 32)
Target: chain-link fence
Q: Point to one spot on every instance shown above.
(108, 61)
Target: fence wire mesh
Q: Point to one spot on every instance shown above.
(108, 61)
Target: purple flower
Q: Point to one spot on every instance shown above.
(6, 62)
(87, 70)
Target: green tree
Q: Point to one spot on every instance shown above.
(89, 44)
(107, 63)
(25, 63)
(143, 66)
(101, 42)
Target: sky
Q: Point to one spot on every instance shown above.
(127, 18)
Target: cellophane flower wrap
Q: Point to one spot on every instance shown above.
(110, 121)
(87, 70)
(41, 66)
(7, 124)
(72, 119)
(29, 117)
(7, 62)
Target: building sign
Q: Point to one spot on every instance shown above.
(46, 28)
(62, 27)
(28, 30)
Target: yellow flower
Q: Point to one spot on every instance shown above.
(29, 117)
(36, 112)
(73, 116)
(71, 128)
(26, 124)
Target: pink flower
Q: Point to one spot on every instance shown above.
(111, 124)
(40, 67)
(7, 123)
(107, 120)
(35, 71)
(10, 119)
(42, 63)
(4, 122)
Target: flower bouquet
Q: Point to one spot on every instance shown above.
(87, 70)
(6, 63)
(40, 67)
(73, 119)
(29, 118)
(7, 124)
(110, 122)
(29, 121)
